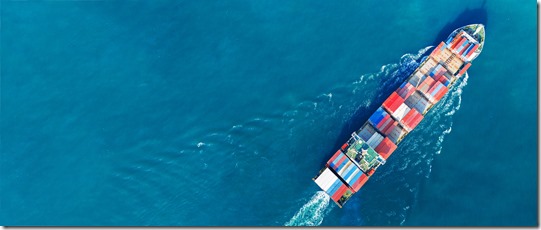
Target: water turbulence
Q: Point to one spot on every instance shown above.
(313, 212)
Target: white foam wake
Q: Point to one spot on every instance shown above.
(311, 213)
(458, 95)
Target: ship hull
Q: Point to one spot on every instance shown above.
(368, 148)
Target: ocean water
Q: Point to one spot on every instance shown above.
(200, 113)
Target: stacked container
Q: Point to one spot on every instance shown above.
(332, 185)
(369, 134)
(418, 102)
(386, 148)
(411, 120)
(405, 90)
(393, 102)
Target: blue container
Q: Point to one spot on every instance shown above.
(438, 88)
(349, 171)
(377, 116)
(468, 50)
(351, 175)
(334, 187)
(356, 178)
(333, 164)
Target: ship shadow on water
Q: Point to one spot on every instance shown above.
(466, 17)
(361, 115)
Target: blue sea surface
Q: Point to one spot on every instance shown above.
(220, 113)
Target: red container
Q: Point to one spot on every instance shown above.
(434, 87)
(463, 70)
(385, 122)
(441, 71)
(339, 193)
(389, 128)
(340, 162)
(436, 96)
(412, 119)
(370, 172)
(334, 157)
(441, 93)
(426, 85)
(344, 146)
(455, 40)
(406, 91)
(386, 148)
(360, 182)
(459, 43)
(437, 50)
(393, 102)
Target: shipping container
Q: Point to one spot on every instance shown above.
(418, 102)
(334, 186)
(397, 133)
(444, 81)
(349, 172)
(449, 76)
(326, 179)
(338, 162)
(405, 90)
(441, 94)
(416, 79)
(366, 131)
(465, 49)
(377, 116)
(339, 193)
(436, 91)
(463, 70)
(472, 50)
(386, 122)
(438, 49)
(374, 140)
(401, 112)
(462, 40)
(386, 148)
(336, 154)
(425, 86)
(459, 43)
(462, 47)
(411, 120)
(360, 182)
(393, 102)
(428, 65)
(351, 175)
(389, 128)
(344, 146)
(456, 39)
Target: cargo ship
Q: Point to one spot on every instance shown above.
(370, 146)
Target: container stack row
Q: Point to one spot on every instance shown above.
(462, 45)
(332, 185)
(404, 109)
